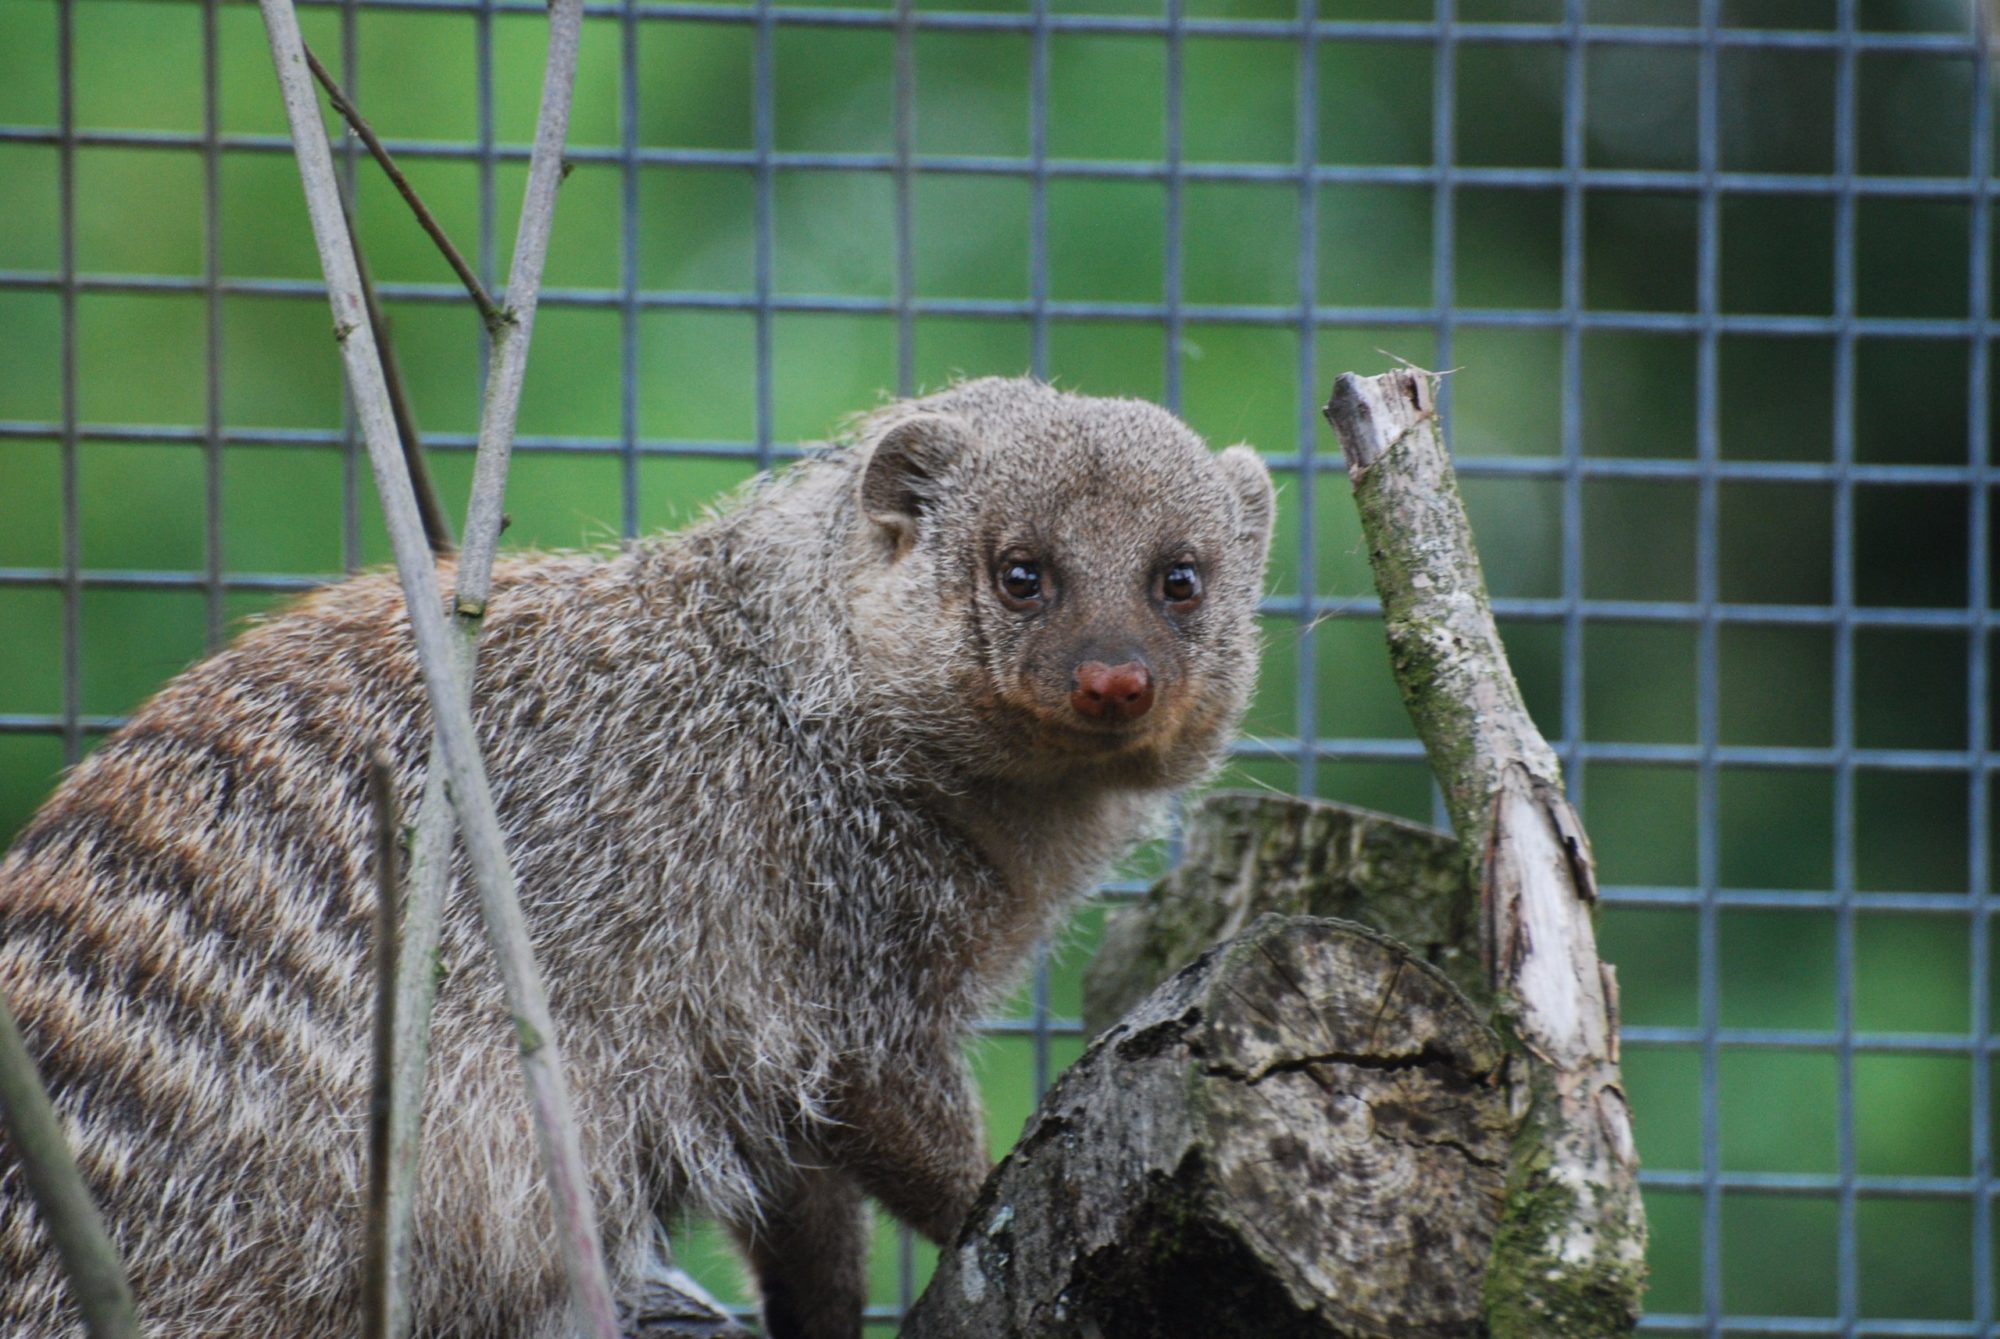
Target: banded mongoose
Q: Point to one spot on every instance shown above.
(791, 795)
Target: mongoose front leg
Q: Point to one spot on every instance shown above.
(915, 1141)
(810, 1254)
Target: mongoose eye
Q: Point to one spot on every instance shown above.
(1020, 583)
(1181, 587)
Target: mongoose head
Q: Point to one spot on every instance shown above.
(1057, 585)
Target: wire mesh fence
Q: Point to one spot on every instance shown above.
(1716, 276)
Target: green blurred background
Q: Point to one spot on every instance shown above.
(1800, 540)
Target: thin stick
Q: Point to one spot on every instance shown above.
(546, 170)
(375, 1305)
(466, 782)
(431, 847)
(437, 527)
(416, 990)
(489, 310)
(88, 1257)
(1569, 1257)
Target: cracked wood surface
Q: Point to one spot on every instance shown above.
(1301, 1134)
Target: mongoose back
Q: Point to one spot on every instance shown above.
(791, 795)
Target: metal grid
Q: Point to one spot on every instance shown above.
(1569, 466)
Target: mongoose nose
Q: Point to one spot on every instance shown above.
(1112, 692)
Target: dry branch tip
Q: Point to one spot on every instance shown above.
(489, 311)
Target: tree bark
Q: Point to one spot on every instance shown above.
(1255, 851)
(674, 1306)
(1299, 1135)
(1570, 1257)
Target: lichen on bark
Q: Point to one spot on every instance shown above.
(1529, 1294)
(1569, 1259)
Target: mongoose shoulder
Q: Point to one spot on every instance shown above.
(791, 795)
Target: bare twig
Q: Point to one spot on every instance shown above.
(489, 310)
(416, 989)
(375, 1303)
(466, 782)
(72, 1221)
(1569, 1258)
(546, 170)
(431, 846)
(437, 527)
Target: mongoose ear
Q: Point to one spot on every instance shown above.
(1256, 502)
(906, 470)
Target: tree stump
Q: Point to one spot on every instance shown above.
(1253, 851)
(1302, 1134)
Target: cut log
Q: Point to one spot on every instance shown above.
(1302, 1134)
(1249, 852)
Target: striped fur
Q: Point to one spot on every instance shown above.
(790, 795)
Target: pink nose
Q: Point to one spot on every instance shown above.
(1112, 692)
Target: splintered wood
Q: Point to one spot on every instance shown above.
(1570, 1257)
